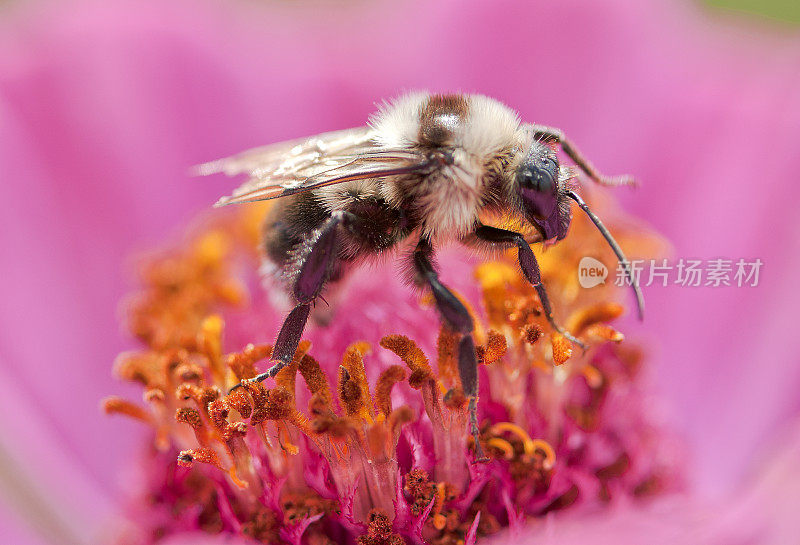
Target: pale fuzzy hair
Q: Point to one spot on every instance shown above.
(396, 123)
(450, 210)
(493, 127)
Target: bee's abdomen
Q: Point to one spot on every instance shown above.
(289, 222)
(371, 226)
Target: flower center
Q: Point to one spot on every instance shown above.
(389, 461)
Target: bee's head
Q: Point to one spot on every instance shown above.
(540, 189)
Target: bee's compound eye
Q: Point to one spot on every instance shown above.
(539, 175)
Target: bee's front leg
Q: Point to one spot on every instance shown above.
(529, 266)
(557, 136)
(456, 316)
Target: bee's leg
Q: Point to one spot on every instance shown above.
(552, 134)
(312, 264)
(456, 316)
(529, 266)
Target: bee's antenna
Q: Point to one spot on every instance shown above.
(614, 246)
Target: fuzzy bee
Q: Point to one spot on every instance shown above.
(426, 170)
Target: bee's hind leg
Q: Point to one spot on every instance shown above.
(310, 267)
(529, 266)
(456, 316)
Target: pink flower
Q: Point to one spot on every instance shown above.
(103, 107)
(369, 439)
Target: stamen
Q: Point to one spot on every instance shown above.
(562, 348)
(604, 332)
(494, 278)
(593, 377)
(240, 401)
(549, 454)
(541, 365)
(286, 441)
(494, 349)
(502, 445)
(408, 351)
(399, 417)
(235, 478)
(279, 404)
(188, 372)
(154, 395)
(439, 520)
(205, 455)
(447, 355)
(316, 380)
(186, 415)
(117, 405)
(530, 446)
(286, 376)
(379, 531)
(353, 387)
(531, 333)
(209, 340)
(420, 489)
(144, 368)
(201, 396)
(243, 364)
(383, 389)
(509, 427)
(587, 316)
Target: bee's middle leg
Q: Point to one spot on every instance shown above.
(456, 316)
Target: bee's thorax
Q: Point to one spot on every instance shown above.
(474, 131)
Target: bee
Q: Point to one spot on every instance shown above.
(424, 171)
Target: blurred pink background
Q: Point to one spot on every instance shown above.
(105, 105)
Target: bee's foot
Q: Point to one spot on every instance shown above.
(249, 381)
(480, 457)
(574, 340)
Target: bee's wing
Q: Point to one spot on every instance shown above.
(301, 165)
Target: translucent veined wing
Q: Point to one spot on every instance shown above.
(301, 165)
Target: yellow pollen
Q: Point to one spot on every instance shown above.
(529, 445)
(549, 454)
(353, 388)
(542, 366)
(439, 520)
(502, 444)
(495, 275)
(592, 375)
(562, 348)
(210, 340)
(211, 248)
(501, 427)
(235, 478)
(286, 442)
(604, 332)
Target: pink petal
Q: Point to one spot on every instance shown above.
(764, 512)
(472, 533)
(199, 538)
(98, 127)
